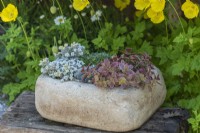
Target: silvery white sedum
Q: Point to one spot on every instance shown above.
(66, 64)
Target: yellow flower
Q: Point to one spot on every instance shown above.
(79, 5)
(142, 4)
(190, 9)
(121, 4)
(156, 17)
(9, 13)
(157, 5)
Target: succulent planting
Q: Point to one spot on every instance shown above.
(127, 70)
(66, 64)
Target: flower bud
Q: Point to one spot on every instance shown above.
(92, 12)
(28, 54)
(59, 41)
(11, 39)
(55, 49)
(127, 19)
(191, 41)
(53, 9)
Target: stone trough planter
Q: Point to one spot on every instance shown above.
(89, 106)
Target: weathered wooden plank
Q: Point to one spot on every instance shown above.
(22, 116)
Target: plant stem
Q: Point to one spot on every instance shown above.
(59, 7)
(55, 42)
(2, 27)
(166, 28)
(177, 15)
(3, 3)
(81, 23)
(26, 37)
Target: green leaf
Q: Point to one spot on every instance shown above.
(119, 30)
(162, 54)
(192, 88)
(181, 64)
(22, 75)
(14, 89)
(146, 47)
(173, 91)
(195, 121)
(100, 43)
(195, 63)
(117, 43)
(180, 38)
(197, 21)
(196, 31)
(140, 27)
(192, 103)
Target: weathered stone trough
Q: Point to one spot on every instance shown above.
(89, 106)
(22, 117)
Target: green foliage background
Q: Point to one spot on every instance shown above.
(175, 50)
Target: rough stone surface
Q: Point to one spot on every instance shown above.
(87, 105)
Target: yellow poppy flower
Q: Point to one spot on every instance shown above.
(142, 4)
(121, 4)
(157, 5)
(156, 17)
(79, 5)
(9, 13)
(190, 9)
